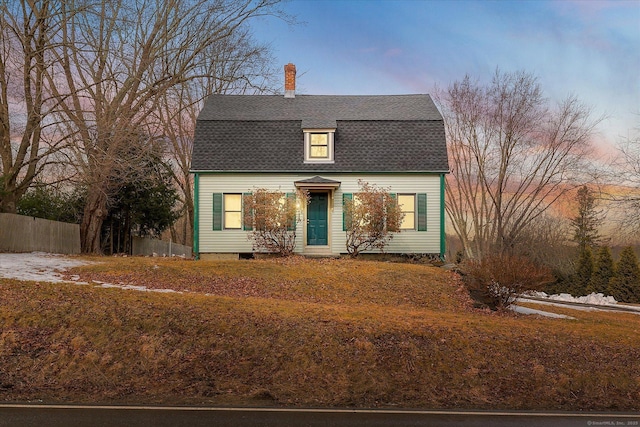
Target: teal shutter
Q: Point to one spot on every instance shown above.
(394, 197)
(345, 220)
(217, 211)
(247, 217)
(422, 211)
(291, 198)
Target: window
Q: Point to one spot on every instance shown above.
(233, 211)
(407, 204)
(413, 205)
(318, 145)
(319, 148)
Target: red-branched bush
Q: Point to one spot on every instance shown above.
(498, 280)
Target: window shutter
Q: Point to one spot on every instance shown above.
(291, 198)
(422, 211)
(247, 217)
(345, 220)
(217, 211)
(394, 197)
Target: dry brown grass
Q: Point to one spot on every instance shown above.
(302, 332)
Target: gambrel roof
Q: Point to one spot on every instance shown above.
(265, 133)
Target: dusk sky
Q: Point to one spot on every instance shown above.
(367, 47)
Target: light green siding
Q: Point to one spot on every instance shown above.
(235, 241)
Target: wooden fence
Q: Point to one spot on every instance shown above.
(20, 233)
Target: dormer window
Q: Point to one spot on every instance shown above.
(318, 145)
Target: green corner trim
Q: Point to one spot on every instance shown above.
(196, 219)
(442, 218)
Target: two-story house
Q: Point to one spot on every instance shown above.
(325, 144)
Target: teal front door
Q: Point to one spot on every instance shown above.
(317, 219)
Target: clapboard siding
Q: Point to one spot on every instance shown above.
(235, 241)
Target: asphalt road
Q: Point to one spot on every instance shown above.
(71, 416)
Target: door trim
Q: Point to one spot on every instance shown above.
(319, 249)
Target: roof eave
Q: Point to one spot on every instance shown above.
(411, 172)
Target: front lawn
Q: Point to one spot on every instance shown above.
(300, 332)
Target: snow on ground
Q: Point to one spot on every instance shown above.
(594, 298)
(583, 303)
(36, 266)
(526, 310)
(44, 267)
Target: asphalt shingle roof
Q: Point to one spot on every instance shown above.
(381, 133)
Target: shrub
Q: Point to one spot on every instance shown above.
(602, 272)
(625, 285)
(50, 203)
(584, 271)
(371, 218)
(499, 279)
(272, 218)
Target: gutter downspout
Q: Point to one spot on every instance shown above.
(196, 219)
(442, 218)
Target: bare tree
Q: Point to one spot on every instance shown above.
(512, 157)
(546, 241)
(117, 60)
(26, 136)
(234, 65)
(627, 176)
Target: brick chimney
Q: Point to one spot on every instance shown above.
(289, 80)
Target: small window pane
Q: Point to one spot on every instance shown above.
(408, 222)
(233, 202)
(319, 151)
(407, 202)
(232, 220)
(319, 139)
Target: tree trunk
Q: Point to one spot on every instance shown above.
(8, 203)
(95, 211)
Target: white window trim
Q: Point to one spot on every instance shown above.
(307, 146)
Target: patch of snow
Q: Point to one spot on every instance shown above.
(594, 298)
(36, 266)
(133, 287)
(603, 303)
(573, 307)
(525, 310)
(44, 267)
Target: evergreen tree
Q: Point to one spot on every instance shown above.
(603, 271)
(48, 202)
(625, 285)
(587, 221)
(144, 205)
(584, 271)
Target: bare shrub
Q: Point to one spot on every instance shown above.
(372, 216)
(498, 280)
(272, 217)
